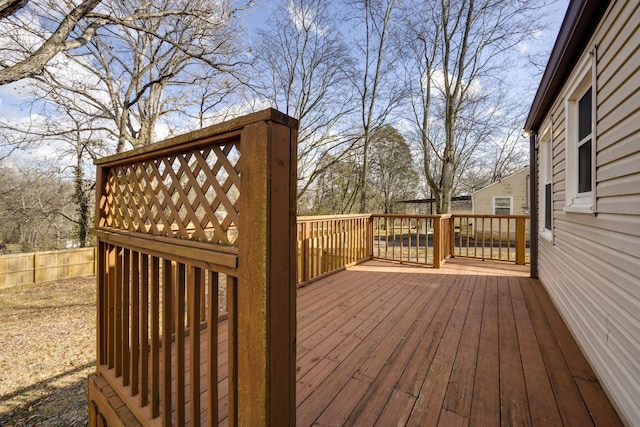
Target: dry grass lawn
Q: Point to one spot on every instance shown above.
(47, 349)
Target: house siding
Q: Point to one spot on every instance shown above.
(514, 185)
(591, 267)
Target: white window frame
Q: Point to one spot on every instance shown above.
(503, 197)
(545, 176)
(584, 78)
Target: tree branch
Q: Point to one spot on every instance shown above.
(55, 44)
(9, 7)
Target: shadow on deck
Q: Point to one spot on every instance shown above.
(474, 343)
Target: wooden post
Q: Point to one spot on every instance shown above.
(450, 230)
(437, 242)
(267, 276)
(520, 241)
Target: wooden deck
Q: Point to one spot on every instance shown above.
(472, 344)
(475, 343)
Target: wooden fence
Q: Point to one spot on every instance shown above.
(40, 267)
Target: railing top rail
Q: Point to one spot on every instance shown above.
(217, 133)
(310, 218)
(490, 216)
(413, 216)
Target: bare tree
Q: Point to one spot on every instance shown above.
(34, 202)
(32, 62)
(375, 84)
(455, 59)
(337, 188)
(392, 176)
(139, 69)
(303, 66)
(71, 140)
(131, 76)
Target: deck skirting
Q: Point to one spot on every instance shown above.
(105, 406)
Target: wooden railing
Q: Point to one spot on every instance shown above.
(170, 240)
(415, 239)
(330, 243)
(491, 237)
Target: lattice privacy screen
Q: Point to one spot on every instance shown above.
(190, 195)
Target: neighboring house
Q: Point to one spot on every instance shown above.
(508, 196)
(585, 145)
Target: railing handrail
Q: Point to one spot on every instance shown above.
(490, 216)
(311, 218)
(434, 216)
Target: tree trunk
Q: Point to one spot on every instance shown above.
(364, 178)
(83, 205)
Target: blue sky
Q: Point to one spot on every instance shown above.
(10, 102)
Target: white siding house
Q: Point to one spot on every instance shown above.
(585, 144)
(508, 196)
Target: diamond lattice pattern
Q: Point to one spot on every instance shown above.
(191, 195)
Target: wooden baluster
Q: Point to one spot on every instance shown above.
(144, 331)
(393, 238)
(167, 308)
(499, 238)
(126, 309)
(232, 310)
(155, 337)
(509, 239)
(135, 323)
(102, 306)
(306, 253)
(118, 313)
(401, 239)
(111, 297)
(212, 348)
(180, 338)
(203, 302)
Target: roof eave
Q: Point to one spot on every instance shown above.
(579, 23)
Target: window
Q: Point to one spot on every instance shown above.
(584, 143)
(547, 206)
(502, 205)
(580, 139)
(545, 180)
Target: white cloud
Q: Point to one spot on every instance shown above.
(305, 19)
(438, 81)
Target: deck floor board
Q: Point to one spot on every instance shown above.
(475, 343)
